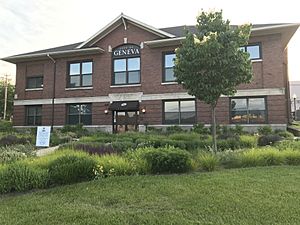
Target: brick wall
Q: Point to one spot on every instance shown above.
(268, 73)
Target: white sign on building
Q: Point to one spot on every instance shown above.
(43, 136)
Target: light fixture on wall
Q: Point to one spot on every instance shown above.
(144, 110)
(106, 111)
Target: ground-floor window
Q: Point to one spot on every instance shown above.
(179, 112)
(79, 114)
(34, 115)
(248, 110)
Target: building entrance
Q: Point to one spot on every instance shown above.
(125, 116)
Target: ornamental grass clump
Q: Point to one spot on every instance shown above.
(70, 169)
(114, 165)
(207, 161)
(19, 177)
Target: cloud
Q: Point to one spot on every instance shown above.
(29, 25)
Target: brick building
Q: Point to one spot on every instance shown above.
(122, 79)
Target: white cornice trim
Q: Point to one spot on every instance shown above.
(254, 32)
(259, 92)
(46, 101)
(72, 52)
(164, 42)
(81, 100)
(276, 27)
(139, 96)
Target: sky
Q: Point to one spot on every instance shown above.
(30, 25)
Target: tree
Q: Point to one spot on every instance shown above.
(10, 99)
(210, 62)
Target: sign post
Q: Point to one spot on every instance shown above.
(43, 136)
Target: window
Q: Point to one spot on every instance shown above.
(80, 74)
(180, 112)
(34, 115)
(80, 114)
(34, 82)
(126, 65)
(248, 110)
(253, 50)
(168, 67)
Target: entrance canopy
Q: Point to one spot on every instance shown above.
(124, 106)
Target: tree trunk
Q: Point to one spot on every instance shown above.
(214, 126)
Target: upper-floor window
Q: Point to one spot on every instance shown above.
(34, 115)
(79, 114)
(179, 112)
(80, 74)
(168, 67)
(254, 50)
(248, 110)
(126, 65)
(34, 82)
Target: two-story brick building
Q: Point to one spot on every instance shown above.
(122, 79)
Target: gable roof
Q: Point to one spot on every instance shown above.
(169, 36)
(55, 49)
(179, 31)
(287, 30)
(122, 19)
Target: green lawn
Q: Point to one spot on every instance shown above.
(269, 195)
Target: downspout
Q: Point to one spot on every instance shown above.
(53, 90)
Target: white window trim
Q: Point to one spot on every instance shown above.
(78, 88)
(167, 83)
(34, 89)
(126, 85)
(256, 60)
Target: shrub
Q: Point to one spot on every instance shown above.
(11, 156)
(121, 146)
(95, 148)
(228, 135)
(244, 141)
(228, 158)
(200, 129)
(69, 169)
(238, 130)
(96, 138)
(230, 143)
(258, 157)
(166, 160)
(114, 165)
(265, 130)
(13, 140)
(58, 137)
(291, 157)
(269, 139)
(174, 129)
(288, 145)
(207, 161)
(78, 129)
(248, 141)
(218, 129)
(22, 177)
(6, 126)
(154, 130)
(284, 134)
(16, 152)
(191, 136)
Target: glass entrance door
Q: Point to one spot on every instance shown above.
(125, 121)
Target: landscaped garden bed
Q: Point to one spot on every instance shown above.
(100, 155)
